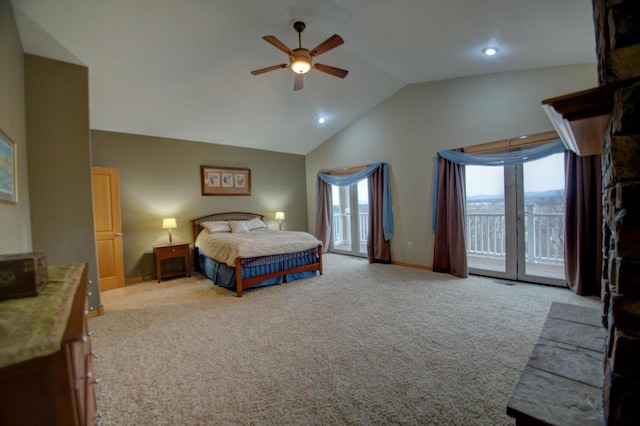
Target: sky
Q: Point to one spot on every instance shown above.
(539, 175)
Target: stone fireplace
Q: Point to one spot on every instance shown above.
(617, 29)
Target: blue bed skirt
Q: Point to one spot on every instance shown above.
(225, 276)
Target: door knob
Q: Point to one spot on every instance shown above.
(118, 234)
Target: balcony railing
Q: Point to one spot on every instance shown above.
(485, 234)
(342, 228)
(544, 236)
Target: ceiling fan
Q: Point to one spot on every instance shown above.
(300, 58)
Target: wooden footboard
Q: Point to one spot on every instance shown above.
(243, 284)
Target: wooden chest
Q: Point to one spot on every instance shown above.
(22, 274)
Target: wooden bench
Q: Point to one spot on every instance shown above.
(562, 382)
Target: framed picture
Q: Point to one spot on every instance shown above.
(225, 180)
(8, 170)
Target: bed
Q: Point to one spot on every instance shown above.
(266, 257)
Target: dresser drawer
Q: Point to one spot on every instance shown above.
(172, 251)
(90, 414)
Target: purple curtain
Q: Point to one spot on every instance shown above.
(323, 215)
(450, 252)
(583, 223)
(378, 250)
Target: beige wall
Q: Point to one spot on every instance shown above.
(15, 224)
(160, 177)
(408, 129)
(59, 151)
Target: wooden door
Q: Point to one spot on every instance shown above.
(108, 227)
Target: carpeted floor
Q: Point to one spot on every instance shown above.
(363, 344)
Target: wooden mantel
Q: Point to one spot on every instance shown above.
(581, 118)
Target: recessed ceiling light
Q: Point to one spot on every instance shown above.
(321, 120)
(489, 51)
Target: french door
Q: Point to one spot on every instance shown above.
(515, 220)
(350, 216)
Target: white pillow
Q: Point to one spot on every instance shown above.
(255, 223)
(217, 226)
(238, 226)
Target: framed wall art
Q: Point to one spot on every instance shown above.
(8, 170)
(225, 180)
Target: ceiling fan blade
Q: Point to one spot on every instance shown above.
(277, 43)
(336, 72)
(297, 82)
(330, 43)
(267, 69)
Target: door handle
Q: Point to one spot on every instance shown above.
(117, 234)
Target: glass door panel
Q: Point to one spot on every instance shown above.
(486, 225)
(542, 208)
(341, 226)
(350, 218)
(362, 218)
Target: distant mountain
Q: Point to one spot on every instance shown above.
(485, 198)
(551, 193)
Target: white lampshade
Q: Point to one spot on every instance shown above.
(169, 223)
(279, 215)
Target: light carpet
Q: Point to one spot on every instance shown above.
(362, 344)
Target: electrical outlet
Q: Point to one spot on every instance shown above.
(409, 244)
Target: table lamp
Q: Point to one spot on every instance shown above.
(169, 223)
(280, 218)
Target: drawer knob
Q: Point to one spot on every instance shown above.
(97, 381)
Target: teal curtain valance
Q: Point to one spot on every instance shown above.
(350, 179)
(505, 158)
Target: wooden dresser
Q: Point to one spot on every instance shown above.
(46, 374)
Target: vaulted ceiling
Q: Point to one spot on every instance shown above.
(180, 68)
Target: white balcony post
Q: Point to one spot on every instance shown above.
(531, 234)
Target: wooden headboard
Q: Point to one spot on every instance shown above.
(195, 223)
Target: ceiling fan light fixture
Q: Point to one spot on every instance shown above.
(300, 61)
(300, 66)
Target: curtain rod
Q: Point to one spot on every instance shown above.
(345, 171)
(520, 141)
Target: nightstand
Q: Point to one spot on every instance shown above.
(169, 251)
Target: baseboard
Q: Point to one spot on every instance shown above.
(412, 265)
(136, 280)
(97, 312)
